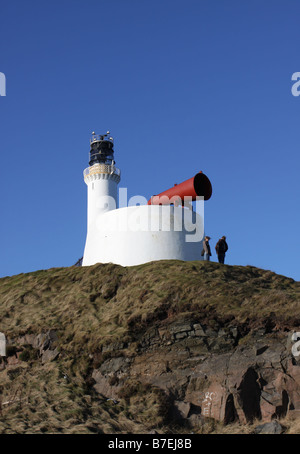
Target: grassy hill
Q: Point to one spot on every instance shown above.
(93, 307)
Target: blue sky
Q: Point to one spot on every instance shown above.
(183, 86)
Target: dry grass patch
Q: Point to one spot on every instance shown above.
(90, 307)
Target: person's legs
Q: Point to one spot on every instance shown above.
(206, 256)
(221, 258)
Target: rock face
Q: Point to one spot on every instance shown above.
(204, 372)
(161, 346)
(43, 345)
(207, 373)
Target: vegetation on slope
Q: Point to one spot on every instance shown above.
(91, 307)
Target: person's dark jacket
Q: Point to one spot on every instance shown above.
(206, 247)
(221, 246)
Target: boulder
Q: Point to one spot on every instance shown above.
(271, 428)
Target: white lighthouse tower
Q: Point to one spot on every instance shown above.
(138, 234)
(102, 178)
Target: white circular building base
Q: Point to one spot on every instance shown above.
(140, 234)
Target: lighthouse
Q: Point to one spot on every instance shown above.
(164, 228)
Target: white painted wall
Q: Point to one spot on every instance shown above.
(140, 234)
(102, 195)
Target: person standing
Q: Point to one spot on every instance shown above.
(206, 248)
(221, 249)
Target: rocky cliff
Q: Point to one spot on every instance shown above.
(168, 346)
